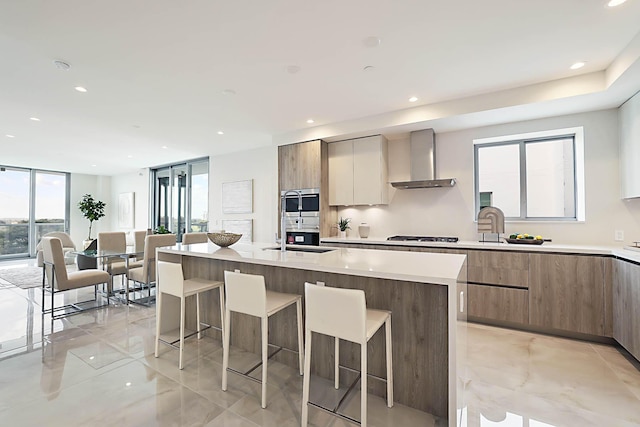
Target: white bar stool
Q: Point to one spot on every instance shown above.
(246, 293)
(171, 281)
(343, 314)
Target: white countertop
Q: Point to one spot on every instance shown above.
(422, 267)
(619, 251)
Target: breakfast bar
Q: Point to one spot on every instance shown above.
(425, 292)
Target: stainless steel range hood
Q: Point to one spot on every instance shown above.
(423, 165)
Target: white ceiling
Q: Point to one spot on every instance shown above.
(156, 70)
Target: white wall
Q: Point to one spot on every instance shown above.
(450, 211)
(138, 183)
(260, 165)
(100, 188)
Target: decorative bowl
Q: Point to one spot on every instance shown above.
(525, 241)
(224, 239)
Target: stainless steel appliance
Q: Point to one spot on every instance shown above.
(302, 223)
(422, 239)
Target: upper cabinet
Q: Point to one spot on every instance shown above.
(358, 172)
(300, 165)
(630, 147)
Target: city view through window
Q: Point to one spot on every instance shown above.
(32, 204)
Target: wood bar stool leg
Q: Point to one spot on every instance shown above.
(306, 379)
(300, 342)
(387, 330)
(363, 384)
(265, 356)
(336, 375)
(182, 314)
(225, 348)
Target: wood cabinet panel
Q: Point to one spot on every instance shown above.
(496, 303)
(358, 172)
(626, 306)
(499, 268)
(567, 292)
(341, 173)
(299, 165)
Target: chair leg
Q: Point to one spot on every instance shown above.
(198, 315)
(306, 380)
(300, 344)
(363, 384)
(225, 348)
(265, 357)
(336, 368)
(158, 321)
(222, 321)
(182, 320)
(387, 329)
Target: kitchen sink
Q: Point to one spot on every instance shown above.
(312, 249)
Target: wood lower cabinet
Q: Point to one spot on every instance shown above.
(566, 292)
(626, 306)
(499, 268)
(498, 303)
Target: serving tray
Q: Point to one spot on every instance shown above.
(525, 241)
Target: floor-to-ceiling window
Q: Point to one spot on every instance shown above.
(181, 197)
(32, 203)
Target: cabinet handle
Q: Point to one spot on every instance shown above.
(461, 301)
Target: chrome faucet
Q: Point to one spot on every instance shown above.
(283, 231)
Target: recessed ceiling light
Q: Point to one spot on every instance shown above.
(228, 92)
(129, 156)
(614, 3)
(413, 99)
(293, 69)
(35, 119)
(9, 136)
(220, 132)
(310, 121)
(577, 65)
(128, 384)
(93, 166)
(80, 89)
(164, 147)
(372, 41)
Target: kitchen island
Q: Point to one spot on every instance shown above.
(425, 292)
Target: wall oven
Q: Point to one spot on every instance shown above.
(303, 225)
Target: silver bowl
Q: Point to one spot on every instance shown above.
(224, 239)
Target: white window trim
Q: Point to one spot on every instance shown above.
(578, 133)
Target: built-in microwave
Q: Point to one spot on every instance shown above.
(310, 200)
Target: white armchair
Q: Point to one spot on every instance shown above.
(67, 247)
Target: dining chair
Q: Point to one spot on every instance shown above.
(56, 279)
(145, 275)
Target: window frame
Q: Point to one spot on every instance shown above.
(576, 133)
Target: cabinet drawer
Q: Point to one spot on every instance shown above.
(496, 303)
(499, 268)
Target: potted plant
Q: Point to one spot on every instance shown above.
(161, 229)
(91, 209)
(343, 226)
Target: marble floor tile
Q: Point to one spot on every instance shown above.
(98, 368)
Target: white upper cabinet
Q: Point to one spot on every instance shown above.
(358, 172)
(630, 147)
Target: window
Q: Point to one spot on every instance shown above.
(536, 176)
(181, 198)
(32, 204)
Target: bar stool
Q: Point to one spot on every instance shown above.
(246, 293)
(343, 314)
(171, 281)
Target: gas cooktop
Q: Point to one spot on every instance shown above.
(422, 239)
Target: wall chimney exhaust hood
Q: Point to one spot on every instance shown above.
(423, 165)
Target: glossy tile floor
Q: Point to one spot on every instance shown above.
(98, 369)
